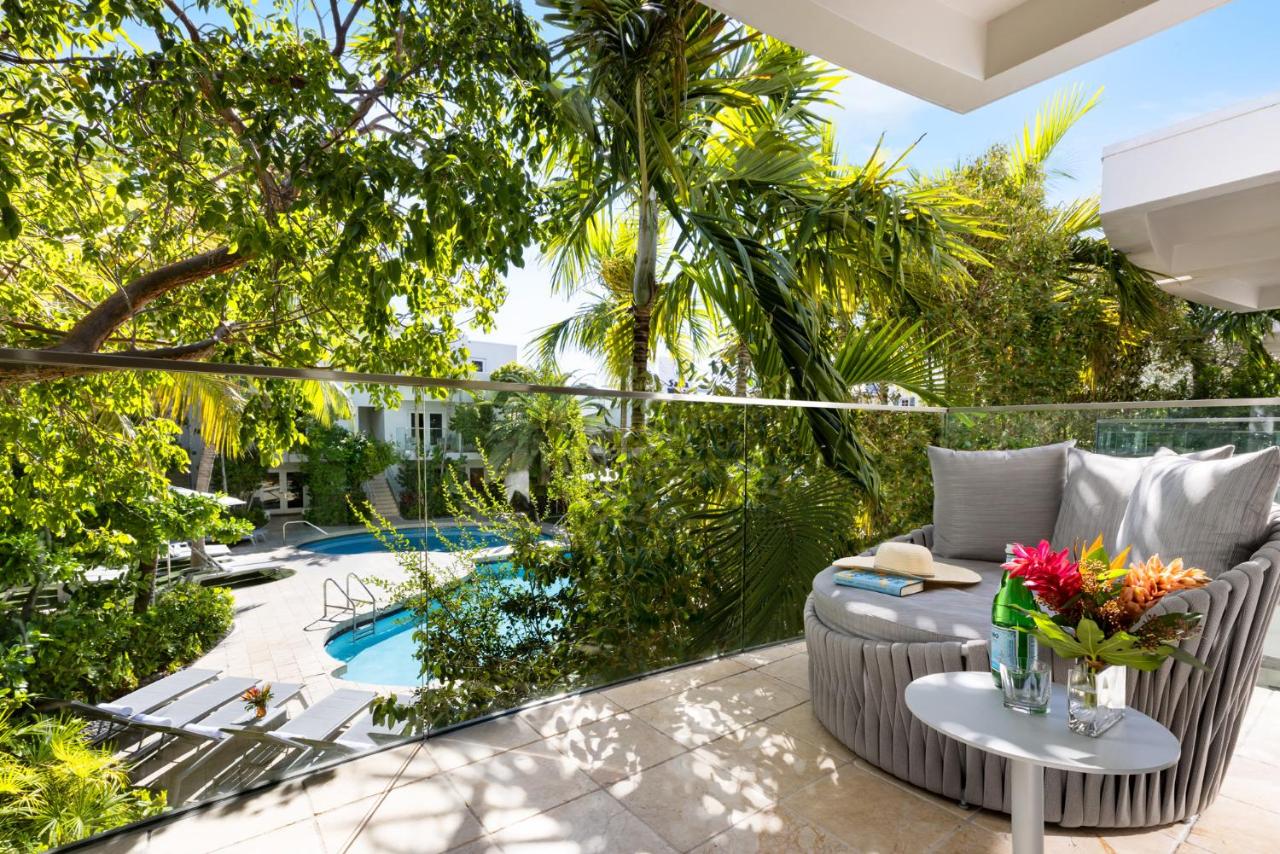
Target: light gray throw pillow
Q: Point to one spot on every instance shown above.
(983, 500)
(1097, 493)
(1210, 513)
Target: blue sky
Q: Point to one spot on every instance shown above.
(1222, 57)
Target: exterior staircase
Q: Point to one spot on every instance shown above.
(382, 498)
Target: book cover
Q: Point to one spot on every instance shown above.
(890, 585)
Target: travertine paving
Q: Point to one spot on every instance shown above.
(723, 756)
(279, 634)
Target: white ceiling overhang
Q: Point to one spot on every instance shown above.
(1199, 204)
(961, 54)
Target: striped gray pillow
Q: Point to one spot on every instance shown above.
(985, 499)
(1210, 513)
(1097, 492)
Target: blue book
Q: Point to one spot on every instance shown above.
(890, 585)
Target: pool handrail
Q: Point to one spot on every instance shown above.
(284, 529)
(350, 602)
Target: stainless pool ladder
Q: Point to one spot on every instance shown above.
(350, 605)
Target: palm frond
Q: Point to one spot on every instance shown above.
(893, 354)
(216, 404)
(1052, 121)
(785, 532)
(1133, 288)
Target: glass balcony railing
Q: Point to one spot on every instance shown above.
(382, 589)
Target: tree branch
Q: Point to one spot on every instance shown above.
(92, 330)
(195, 351)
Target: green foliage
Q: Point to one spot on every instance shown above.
(96, 648)
(530, 431)
(56, 788)
(84, 482)
(1088, 642)
(488, 639)
(678, 116)
(705, 541)
(430, 484)
(271, 184)
(336, 467)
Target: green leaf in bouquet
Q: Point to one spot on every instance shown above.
(1089, 636)
(1179, 654)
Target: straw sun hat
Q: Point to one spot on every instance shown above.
(911, 561)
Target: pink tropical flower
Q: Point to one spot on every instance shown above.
(1052, 576)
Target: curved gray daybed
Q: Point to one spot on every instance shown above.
(864, 648)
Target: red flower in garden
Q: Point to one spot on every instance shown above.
(1052, 576)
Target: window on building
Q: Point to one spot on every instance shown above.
(428, 426)
(478, 364)
(417, 428)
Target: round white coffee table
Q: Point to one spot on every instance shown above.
(969, 708)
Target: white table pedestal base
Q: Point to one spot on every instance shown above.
(1027, 782)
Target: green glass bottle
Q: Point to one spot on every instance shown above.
(1018, 648)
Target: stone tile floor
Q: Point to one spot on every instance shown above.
(720, 756)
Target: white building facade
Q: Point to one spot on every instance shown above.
(416, 428)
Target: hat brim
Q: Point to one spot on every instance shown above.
(943, 573)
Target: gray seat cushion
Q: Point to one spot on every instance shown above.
(983, 500)
(1212, 514)
(935, 614)
(1097, 493)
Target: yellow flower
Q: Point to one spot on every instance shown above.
(1149, 582)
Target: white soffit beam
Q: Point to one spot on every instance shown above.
(1199, 203)
(961, 54)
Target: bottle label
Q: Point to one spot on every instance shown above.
(1011, 646)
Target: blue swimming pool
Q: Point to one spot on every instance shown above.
(443, 540)
(386, 657)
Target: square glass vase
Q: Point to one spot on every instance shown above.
(1095, 699)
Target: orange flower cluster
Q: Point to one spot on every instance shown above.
(1147, 583)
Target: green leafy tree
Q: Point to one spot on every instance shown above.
(337, 464)
(604, 325)
(296, 185)
(531, 431)
(1055, 314)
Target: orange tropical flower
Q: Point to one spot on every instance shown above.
(1150, 581)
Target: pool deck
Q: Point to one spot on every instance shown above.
(724, 755)
(279, 634)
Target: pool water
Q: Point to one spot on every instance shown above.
(422, 539)
(387, 656)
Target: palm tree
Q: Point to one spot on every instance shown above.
(672, 107)
(539, 432)
(604, 325)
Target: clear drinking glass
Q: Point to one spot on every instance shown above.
(1026, 689)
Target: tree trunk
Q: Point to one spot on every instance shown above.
(146, 595)
(204, 471)
(204, 477)
(643, 289)
(743, 368)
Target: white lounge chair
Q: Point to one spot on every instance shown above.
(217, 729)
(364, 734)
(316, 726)
(152, 696)
(167, 721)
(196, 704)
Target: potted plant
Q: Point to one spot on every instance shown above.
(1092, 611)
(257, 699)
